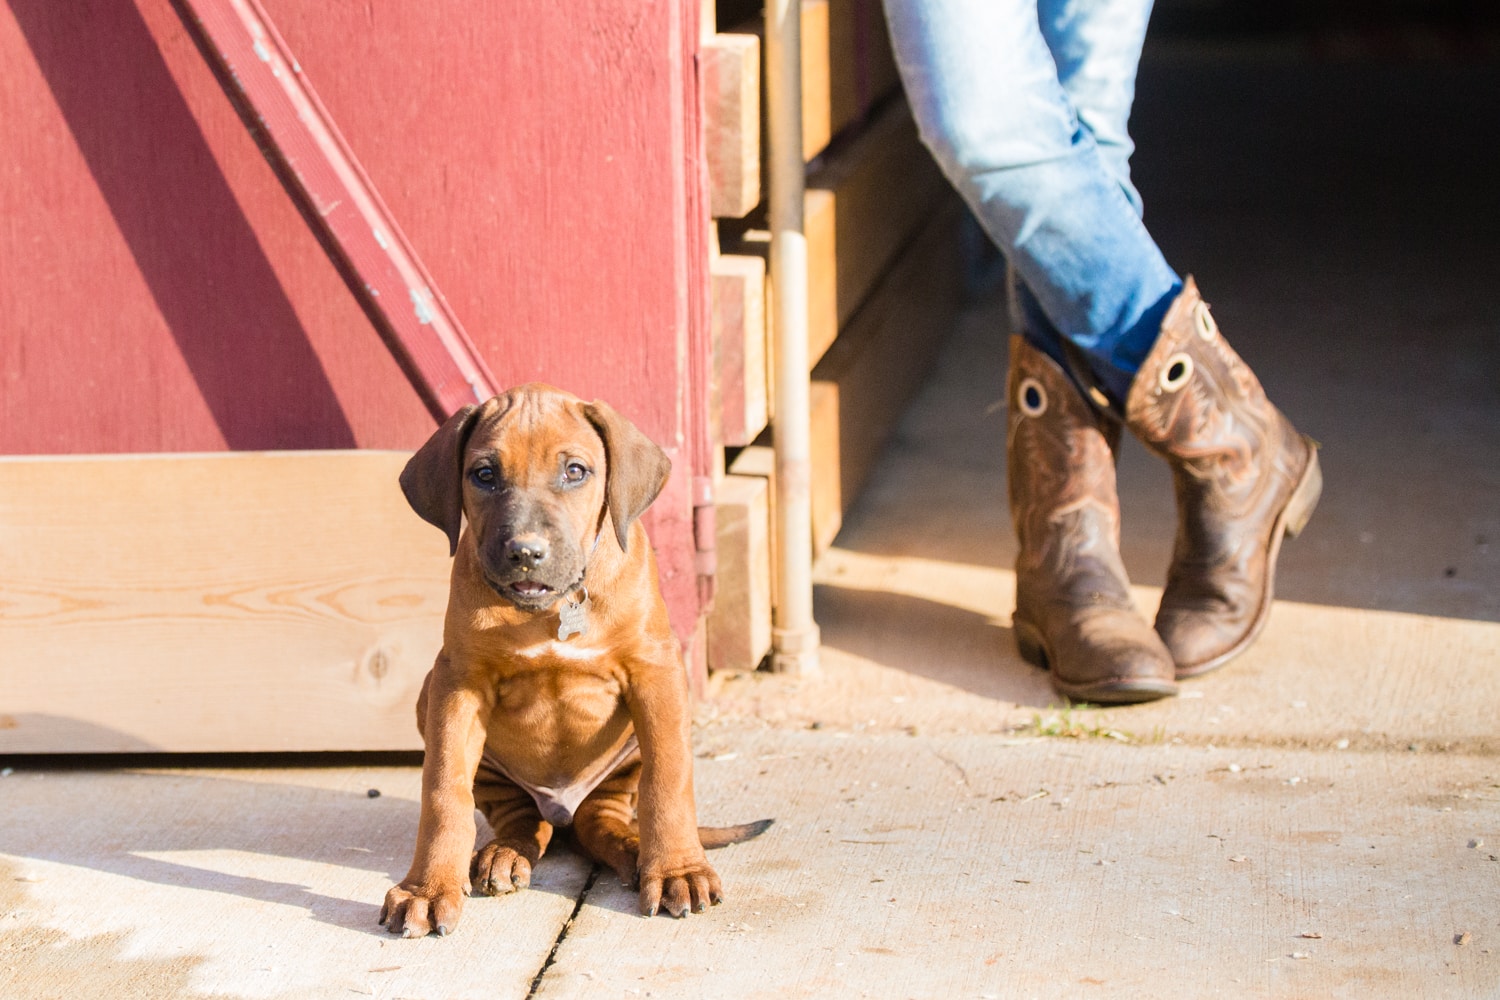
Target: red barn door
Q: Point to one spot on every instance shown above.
(162, 294)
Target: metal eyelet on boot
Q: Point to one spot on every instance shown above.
(1207, 328)
(1031, 397)
(1176, 372)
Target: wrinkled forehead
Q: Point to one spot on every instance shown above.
(529, 429)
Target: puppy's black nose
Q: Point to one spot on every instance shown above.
(526, 551)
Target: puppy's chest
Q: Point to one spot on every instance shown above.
(560, 688)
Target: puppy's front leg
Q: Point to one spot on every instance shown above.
(431, 897)
(674, 873)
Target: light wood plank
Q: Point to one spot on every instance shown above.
(760, 460)
(863, 70)
(862, 384)
(817, 101)
(818, 71)
(731, 113)
(862, 207)
(820, 227)
(756, 460)
(847, 67)
(228, 602)
(739, 336)
(739, 627)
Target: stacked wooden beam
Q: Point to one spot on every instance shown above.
(883, 285)
(214, 614)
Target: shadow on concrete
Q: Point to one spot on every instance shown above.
(953, 646)
(95, 966)
(187, 812)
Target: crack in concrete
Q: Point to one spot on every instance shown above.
(562, 933)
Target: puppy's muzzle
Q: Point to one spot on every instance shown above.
(526, 552)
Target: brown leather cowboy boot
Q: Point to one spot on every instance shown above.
(1244, 477)
(1074, 615)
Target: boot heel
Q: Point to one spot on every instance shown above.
(1305, 497)
(1029, 643)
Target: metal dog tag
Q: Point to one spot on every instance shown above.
(574, 618)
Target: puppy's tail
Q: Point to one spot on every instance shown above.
(723, 836)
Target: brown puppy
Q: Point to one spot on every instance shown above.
(559, 696)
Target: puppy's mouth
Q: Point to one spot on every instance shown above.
(530, 589)
(527, 593)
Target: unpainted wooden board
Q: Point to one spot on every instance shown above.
(820, 228)
(225, 602)
(740, 345)
(815, 65)
(756, 460)
(739, 627)
(847, 66)
(760, 460)
(864, 69)
(863, 205)
(819, 67)
(731, 122)
(863, 382)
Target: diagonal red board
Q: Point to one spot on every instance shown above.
(278, 105)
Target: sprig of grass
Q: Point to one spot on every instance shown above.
(1066, 723)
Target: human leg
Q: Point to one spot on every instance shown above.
(990, 102)
(1026, 113)
(1096, 46)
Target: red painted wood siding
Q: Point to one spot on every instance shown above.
(160, 293)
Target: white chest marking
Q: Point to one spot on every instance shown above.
(560, 650)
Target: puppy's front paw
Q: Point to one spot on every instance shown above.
(414, 909)
(497, 870)
(679, 888)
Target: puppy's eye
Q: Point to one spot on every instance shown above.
(575, 472)
(484, 476)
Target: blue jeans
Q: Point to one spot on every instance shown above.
(1025, 105)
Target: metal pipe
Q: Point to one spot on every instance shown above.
(794, 634)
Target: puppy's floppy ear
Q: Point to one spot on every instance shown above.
(637, 469)
(433, 478)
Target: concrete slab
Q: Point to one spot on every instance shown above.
(240, 883)
(971, 866)
(900, 866)
(924, 644)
